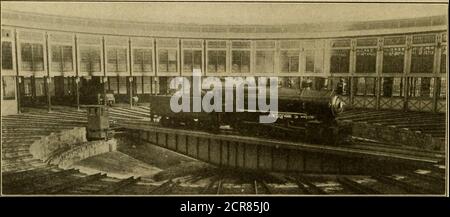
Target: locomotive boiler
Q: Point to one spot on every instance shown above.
(306, 115)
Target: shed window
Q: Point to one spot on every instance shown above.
(264, 61)
(217, 61)
(422, 58)
(62, 60)
(366, 60)
(32, 57)
(7, 59)
(240, 61)
(9, 88)
(167, 60)
(90, 59)
(142, 60)
(117, 60)
(192, 59)
(289, 61)
(393, 59)
(340, 61)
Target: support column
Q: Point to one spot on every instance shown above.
(407, 69)
(130, 81)
(131, 72)
(77, 78)
(49, 97)
(352, 68)
(33, 90)
(19, 79)
(77, 92)
(48, 78)
(104, 80)
(379, 68)
(151, 85)
(18, 93)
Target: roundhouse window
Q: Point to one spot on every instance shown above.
(340, 61)
(27, 86)
(32, 55)
(192, 59)
(443, 68)
(393, 59)
(366, 59)
(264, 61)
(142, 60)
(39, 86)
(117, 60)
(7, 59)
(62, 60)
(9, 89)
(217, 61)
(90, 59)
(167, 60)
(309, 61)
(290, 61)
(422, 58)
(240, 61)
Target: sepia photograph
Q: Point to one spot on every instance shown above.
(224, 99)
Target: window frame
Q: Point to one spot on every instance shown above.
(143, 43)
(93, 43)
(159, 47)
(116, 59)
(225, 49)
(263, 49)
(31, 37)
(318, 50)
(61, 39)
(249, 50)
(5, 85)
(90, 48)
(13, 67)
(362, 47)
(416, 45)
(193, 50)
(348, 49)
(61, 49)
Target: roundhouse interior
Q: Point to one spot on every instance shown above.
(47, 60)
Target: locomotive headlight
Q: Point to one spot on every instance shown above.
(337, 105)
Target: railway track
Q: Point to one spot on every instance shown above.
(24, 175)
(51, 180)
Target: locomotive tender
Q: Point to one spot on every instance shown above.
(305, 115)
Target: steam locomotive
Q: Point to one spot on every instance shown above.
(303, 115)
